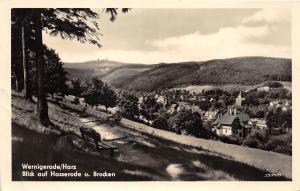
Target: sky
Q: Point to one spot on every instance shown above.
(151, 36)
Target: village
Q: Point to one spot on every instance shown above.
(256, 117)
(223, 114)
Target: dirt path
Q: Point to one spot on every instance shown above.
(124, 139)
(106, 131)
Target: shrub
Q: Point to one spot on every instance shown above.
(228, 139)
(272, 84)
(280, 144)
(257, 139)
(161, 123)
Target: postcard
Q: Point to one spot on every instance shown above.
(194, 95)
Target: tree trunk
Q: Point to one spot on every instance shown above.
(27, 87)
(16, 63)
(42, 107)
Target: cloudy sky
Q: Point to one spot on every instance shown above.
(174, 35)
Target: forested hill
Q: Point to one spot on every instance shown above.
(241, 70)
(103, 68)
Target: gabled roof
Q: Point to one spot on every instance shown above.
(243, 117)
(228, 119)
(225, 119)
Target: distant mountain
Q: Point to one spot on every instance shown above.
(241, 70)
(121, 75)
(100, 63)
(97, 67)
(107, 70)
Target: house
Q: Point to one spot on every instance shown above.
(196, 108)
(259, 123)
(233, 123)
(210, 114)
(284, 104)
(141, 100)
(183, 106)
(179, 107)
(173, 108)
(263, 88)
(183, 97)
(162, 99)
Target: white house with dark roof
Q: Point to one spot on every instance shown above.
(210, 114)
(232, 123)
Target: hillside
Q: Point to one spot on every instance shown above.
(79, 73)
(103, 63)
(110, 71)
(241, 70)
(118, 76)
(244, 70)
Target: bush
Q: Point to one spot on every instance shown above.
(280, 143)
(188, 122)
(272, 84)
(257, 139)
(161, 123)
(229, 139)
(261, 140)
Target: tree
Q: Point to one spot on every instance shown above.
(55, 75)
(161, 123)
(256, 139)
(149, 107)
(188, 122)
(108, 97)
(27, 87)
(278, 119)
(68, 23)
(17, 47)
(129, 107)
(42, 107)
(273, 84)
(92, 90)
(204, 105)
(76, 89)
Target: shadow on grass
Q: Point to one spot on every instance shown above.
(35, 148)
(207, 160)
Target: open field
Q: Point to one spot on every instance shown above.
(195, 88)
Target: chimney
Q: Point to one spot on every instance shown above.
(234, 111)
(230, 111)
